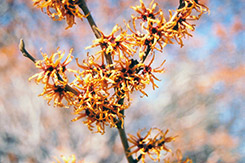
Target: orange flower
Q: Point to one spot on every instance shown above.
(57, 92)
(115, 45)
(52, 68)
(151, 146)
(146, 13)
(126, 78)
(156, 30)
(100, 110)
(53, 77)
(95, 103)
(148, 71)
(178, 25)
(150, 36)
(61, 9)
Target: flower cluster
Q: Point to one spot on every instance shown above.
(61, 9)
(134, 76)
(117, 46)
(95, 103)
(52, 68)
(156, 31)
(57, 93)
(53, 76)
(179, 24)
(148, 145)
(99, 91)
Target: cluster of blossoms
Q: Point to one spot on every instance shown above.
(156, 30)
(95, 102)
(53, 76)
(154, 146)
(61, 9)
(101, 91)
(91, 93)
(151, 146)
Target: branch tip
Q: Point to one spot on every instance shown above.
(22, 45)
(24, 52)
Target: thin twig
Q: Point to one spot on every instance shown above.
(24, 51)
(124, 141)
(82, 4)
(147, 51)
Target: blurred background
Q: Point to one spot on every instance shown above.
(201, 96)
